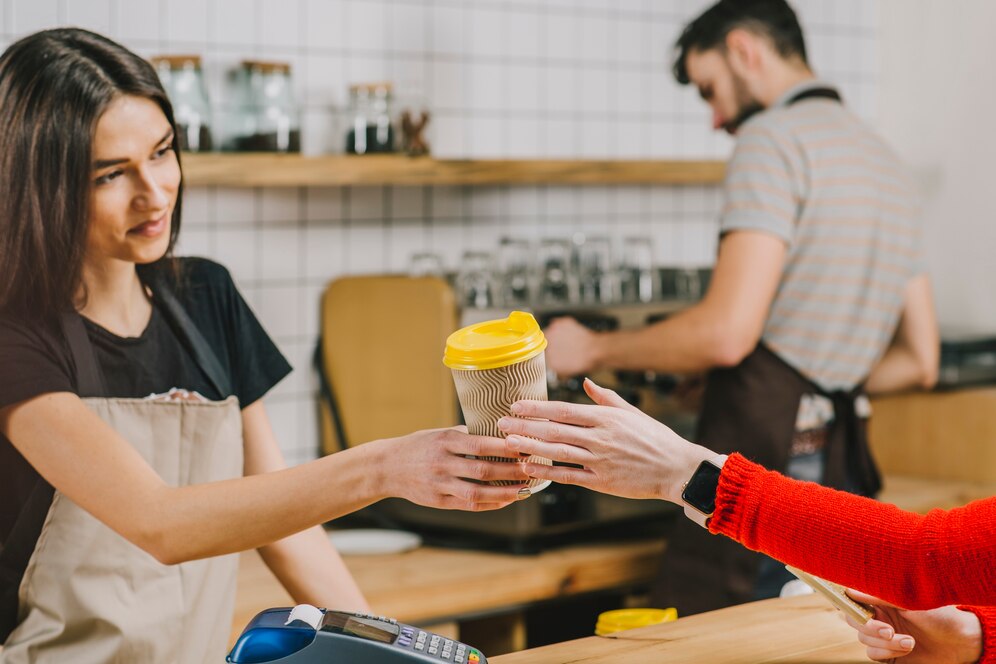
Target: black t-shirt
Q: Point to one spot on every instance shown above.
(35, 361)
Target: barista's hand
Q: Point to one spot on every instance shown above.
(428, 467)
(623, 451)
(572, 349)
(946, 635)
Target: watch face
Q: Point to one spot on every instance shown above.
(700, 492)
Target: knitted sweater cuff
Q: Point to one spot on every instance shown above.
(735, 484)
(987, 616)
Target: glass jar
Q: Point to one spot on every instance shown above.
(475, 280)
(514, 261)
(267, 119)
(183, 81)
(555, 279)
(370, 111)
(637, 270)
(596, 275)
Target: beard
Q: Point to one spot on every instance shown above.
(747, 105)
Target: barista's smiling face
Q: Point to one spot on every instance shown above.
(135, 179)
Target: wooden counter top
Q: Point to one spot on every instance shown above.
(800, 630)
(921, 495)
(431, 585)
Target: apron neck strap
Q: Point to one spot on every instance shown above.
(89, 378)
(192, 338)
(815, 93)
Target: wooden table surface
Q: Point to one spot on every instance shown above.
(797, 630)
(430, 584)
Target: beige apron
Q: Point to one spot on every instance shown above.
(89, 595)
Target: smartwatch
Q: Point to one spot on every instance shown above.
(699, 492)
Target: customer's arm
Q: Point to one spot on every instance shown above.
(911, 560)
(911, 360)
(718, 331)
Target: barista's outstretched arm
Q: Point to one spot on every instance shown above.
(88, 461)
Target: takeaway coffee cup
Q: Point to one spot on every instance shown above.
(495, 364)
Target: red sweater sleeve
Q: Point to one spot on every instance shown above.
(911, 560)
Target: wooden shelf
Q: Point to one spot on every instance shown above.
(270, 170)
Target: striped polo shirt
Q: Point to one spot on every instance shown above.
(816, 176)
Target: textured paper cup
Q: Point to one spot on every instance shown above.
(487, 395)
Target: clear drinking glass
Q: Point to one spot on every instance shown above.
(425, 264)
(688, 284)
(596, 281)
(555, 277)
(513, 271)
(637, 270)
(475, 280)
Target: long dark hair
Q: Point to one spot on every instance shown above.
(54, 86)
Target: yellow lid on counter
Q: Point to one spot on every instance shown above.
(620, 620)
(495, 343)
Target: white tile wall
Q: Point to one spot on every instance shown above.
(504, 78)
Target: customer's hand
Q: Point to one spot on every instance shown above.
(622, 450)
(430, 468)
(571, 349)
(946, 635)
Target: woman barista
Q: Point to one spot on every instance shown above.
(118, 512)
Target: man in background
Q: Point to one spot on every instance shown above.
(818, 294)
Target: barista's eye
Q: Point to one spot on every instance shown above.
(108, 177)
(161, 152)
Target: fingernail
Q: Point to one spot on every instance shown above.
(885, 633)
(516, 407)
(906, 643)
(504, 422)
(523, 493)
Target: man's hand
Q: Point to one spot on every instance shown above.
(572, 348)
(946, 635)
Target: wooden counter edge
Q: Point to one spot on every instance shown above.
(797, 629)
(430, 584)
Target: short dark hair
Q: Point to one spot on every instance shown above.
(774, 19)
(54, 87)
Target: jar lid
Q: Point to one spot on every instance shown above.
(620, 620)
(495, 343)
(372, 87)
(177, 61)
(267, 66)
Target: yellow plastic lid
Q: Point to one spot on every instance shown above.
(495, 343)
(620, 620)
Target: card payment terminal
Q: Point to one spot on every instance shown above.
(309, 635)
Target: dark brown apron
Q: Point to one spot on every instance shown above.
(751, 409)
